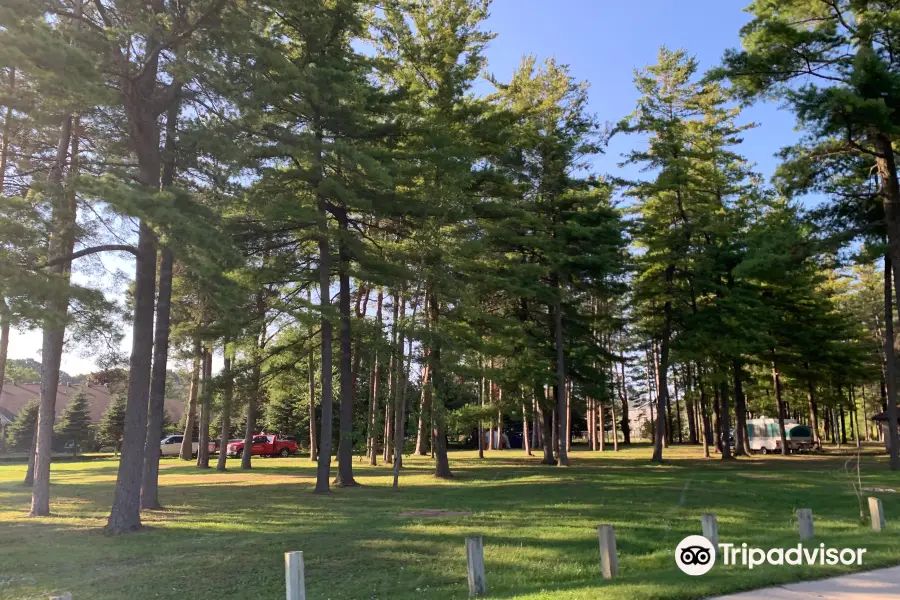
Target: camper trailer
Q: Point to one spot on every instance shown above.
(765, 435)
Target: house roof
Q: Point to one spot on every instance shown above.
(14, 396)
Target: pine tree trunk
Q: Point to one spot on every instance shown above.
(776, 382)
(256, 391)
(157, 408)
(677, 408)
(126, 509)
(562, 458)
(227, 397)
(813, 409)
(626, 424)
(29, 471)
(891, 367)
(662, 387)
(7, 134)
(62, 241)
(546, 419)
(345, 445)
(525, 439)
(323, 467)
(480, 430)
(394, 368)
(602, 418)
(742, 443)
(399, 434)
(373, 389)
(311, 372)
(866, 429)
(187, 442)
(4, 339)
(725, 420)
(441, 460)
(206, 394)
(420, 430)
(615, 433)
(568, 417)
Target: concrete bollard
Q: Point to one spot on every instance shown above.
(710, 528)
(294, 578)
(609, 560)
(805, 523)
(475, 566)
(877, 512)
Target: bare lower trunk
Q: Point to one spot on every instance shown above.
(29, 471)
(525, 441)
(187, 442)
(776, 382)
(256, 389)
(126, 509)
(891, 367)
(704, 414)
(480, 429)
(742, 443)
(7, 134)
(424, 417)
(615, 433)
(62, 240)
(227, 396)
(546, 420)
(662, 389)
(562, 458)
(345, 446)
(399, 429)
(205, 409)
(313, 442)
(568, 418)
(4, 339)
(441, 460)
(157, 409)
(725, 420)
(813, 410)
(602, 418)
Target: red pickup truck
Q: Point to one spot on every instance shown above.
(264, 445)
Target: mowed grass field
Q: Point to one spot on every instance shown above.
(223, 535)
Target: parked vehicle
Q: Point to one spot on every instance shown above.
(171, 446)
(765, 435)
(265, 444)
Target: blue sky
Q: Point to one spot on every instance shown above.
(602, 41)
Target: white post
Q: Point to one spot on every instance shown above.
(805, 523)
(710, 528)
(609, 560)
(475, 566)
(293, 576)
(877, 512)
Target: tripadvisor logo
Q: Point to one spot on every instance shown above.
(696, 555)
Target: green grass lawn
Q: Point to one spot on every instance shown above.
(224, 535)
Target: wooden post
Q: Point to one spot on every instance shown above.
(877, 512)
(63, 596)
(710, 528)
(609, 560)
(805, 522)
(475, 566)
(294, 579)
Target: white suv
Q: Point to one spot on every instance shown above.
(171, 446)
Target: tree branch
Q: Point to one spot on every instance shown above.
(89, 251)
